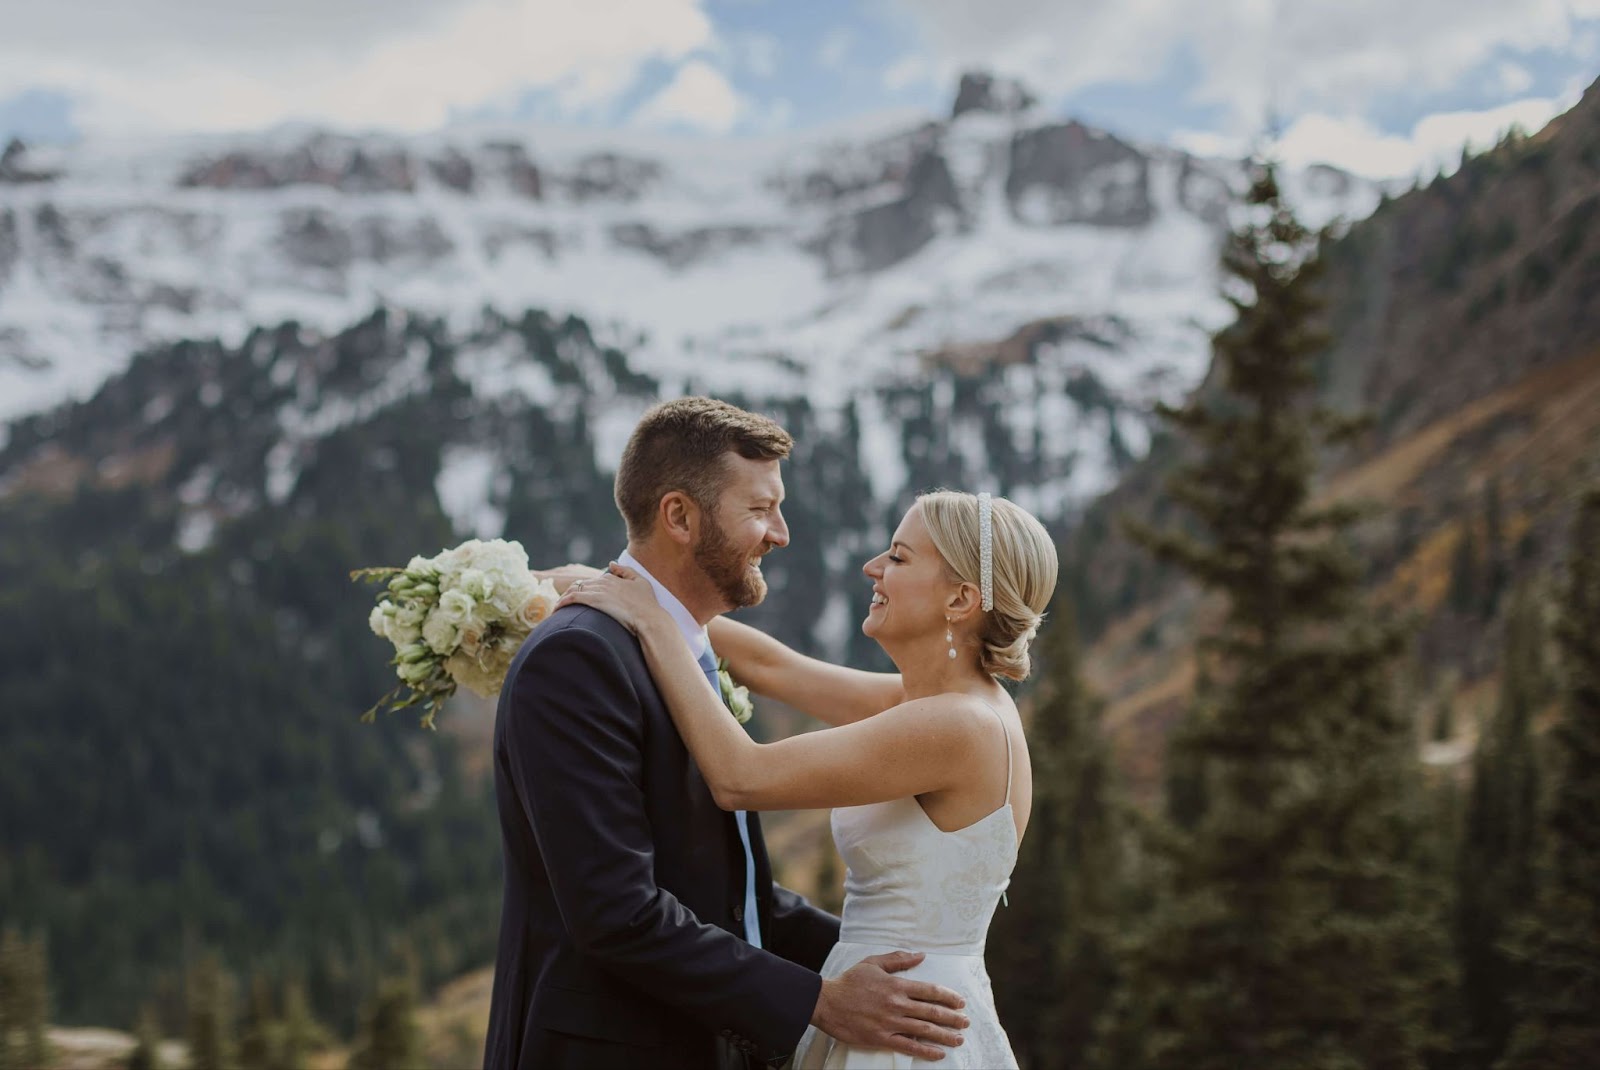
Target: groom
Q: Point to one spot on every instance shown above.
(641, 926)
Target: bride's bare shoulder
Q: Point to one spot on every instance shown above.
(952, 713)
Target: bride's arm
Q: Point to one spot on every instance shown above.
(913, 748)
(920, 746)
(832, 694)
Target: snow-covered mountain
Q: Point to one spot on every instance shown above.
(995, 298)
(817, 265)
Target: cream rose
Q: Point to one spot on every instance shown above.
(538, 605)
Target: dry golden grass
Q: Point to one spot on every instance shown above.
(1173, 687)
(1423, 579)
(1562, 401)
(1539, 431)
(456, 1020)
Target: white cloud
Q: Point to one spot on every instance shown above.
(907, 71)
(1302, 56)
(698, 96)
(1586, 45)
(1513, 78)
(1435, 142)
(757, 53)
(1352, 144)
(397, 63)
(1209, 143)
(835, 48)
(776, 115)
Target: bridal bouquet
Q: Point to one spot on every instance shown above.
(456, 619)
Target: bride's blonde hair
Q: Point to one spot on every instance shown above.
(1024, 571)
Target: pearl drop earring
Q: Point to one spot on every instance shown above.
(950, 637)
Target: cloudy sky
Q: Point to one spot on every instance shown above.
(1381, 86)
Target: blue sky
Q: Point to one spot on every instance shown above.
(1370, 84)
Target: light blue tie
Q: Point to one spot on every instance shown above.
(752, 921)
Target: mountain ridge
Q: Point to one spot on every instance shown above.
(1465, 318)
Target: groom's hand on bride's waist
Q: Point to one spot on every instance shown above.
(868, 1007)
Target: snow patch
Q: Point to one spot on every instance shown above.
(470, 480)
(833, 627)
(196, 530)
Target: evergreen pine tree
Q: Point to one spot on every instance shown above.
(24, 1000)
(35, 1005)
(302, 1033)
(390, 1039)
(209, 995)
(1295, 932)
(1497, 557)
(11, 981)
(1499, 839)
(146, 1054)
(1466, 574)
(1442, 831)
(1558, 1007)
(1054, 933)
(1184, 769)
(1444, 717)
(261, 1035)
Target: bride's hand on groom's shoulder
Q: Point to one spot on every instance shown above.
(867, 1006)
(564, 576)
(621, 594)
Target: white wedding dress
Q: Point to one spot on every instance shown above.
(911, 886)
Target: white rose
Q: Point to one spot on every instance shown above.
(501, 554)
(475, 583)
(457, 607)
(504, 562)
(449, 564)
(405, 625)
(511, 590)
(378, 621)
(441, 633)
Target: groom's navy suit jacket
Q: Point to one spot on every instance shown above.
(621, 933)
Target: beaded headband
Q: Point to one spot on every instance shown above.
(986, 549)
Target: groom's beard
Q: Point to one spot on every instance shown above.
(728, 568)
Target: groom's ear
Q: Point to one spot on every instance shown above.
(678, 517)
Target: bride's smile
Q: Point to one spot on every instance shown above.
(910, 585)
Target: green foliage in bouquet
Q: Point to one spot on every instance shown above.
(422, 675)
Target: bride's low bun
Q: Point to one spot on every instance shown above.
(1009, 659)
(1025, 567)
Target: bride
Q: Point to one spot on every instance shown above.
(926, 770)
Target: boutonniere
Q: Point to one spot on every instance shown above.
(736, 698)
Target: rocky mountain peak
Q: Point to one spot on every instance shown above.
(984, 92)
(15, 166)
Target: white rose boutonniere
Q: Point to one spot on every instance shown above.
(736, 698)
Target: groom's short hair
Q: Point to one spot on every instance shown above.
(679, 445)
